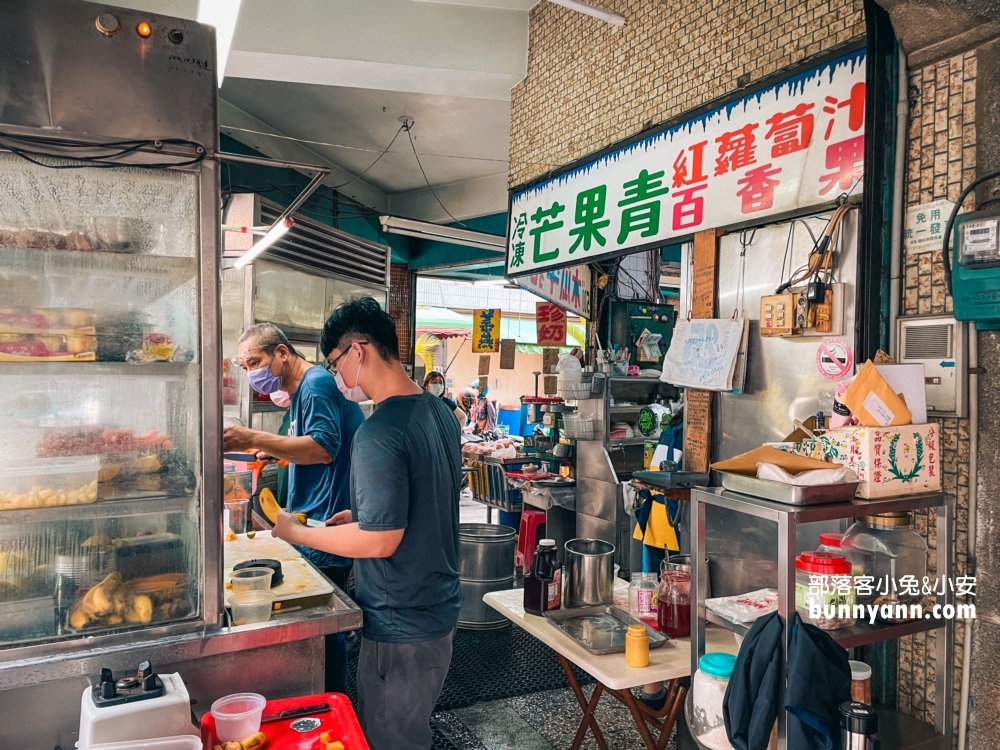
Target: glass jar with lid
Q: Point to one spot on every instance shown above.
(889, 559)
(824, 590)
(674, 601)
(830, 542)
(642, 596)
(708, 689)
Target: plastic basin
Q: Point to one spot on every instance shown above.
(238, 716)
(250, 607)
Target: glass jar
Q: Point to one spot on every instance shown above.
(824, 590)
(642, 597)
(673, 610)
(889, 559)
(830, 542)
(708, 690)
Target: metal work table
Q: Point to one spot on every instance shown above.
(900, 732)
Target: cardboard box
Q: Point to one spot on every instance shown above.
(889, 461)
(746, 463)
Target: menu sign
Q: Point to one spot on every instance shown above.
(551, 322)
(485, 331)
(796, 144)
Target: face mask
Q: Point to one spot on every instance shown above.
(351, 394)
(264, 381)
(435, 389)
(282, 399)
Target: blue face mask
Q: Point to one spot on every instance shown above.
(264, 381)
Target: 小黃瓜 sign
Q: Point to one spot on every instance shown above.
(485, 331)
(793, 145)
(567, 287)
(551, 322)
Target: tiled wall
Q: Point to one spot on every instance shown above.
(941, 159)
(591, 84)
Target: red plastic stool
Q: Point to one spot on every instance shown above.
(528, 536)
(340, 722)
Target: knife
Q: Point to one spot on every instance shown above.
(295, 713)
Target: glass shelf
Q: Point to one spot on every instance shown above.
(134, 504)
(155, 370)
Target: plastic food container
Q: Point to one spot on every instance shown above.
(49, 482)
(237, 485)
(182, 742)
(830, 542)
(238, 716)
(238, 514)
(708, 690)
(889, 559)
(251, 579)
(823, 582)
(249, 607)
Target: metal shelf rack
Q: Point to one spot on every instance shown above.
(901, 730)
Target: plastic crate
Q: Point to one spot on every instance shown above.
(576, 427)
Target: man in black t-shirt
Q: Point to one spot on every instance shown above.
(402, 530)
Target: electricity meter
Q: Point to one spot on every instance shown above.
(976, 266)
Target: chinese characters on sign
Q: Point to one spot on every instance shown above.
(551, 322)
(567, 287)
(485, 331)
(799, 143)
(924, 228)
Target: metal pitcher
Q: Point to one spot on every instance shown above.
(590, 567)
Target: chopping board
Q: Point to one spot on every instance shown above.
(301, 580)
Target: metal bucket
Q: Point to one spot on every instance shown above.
(590, 568)
(486, 564)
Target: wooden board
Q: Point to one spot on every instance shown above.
(301, 580)
(698, 404)
(508, 347)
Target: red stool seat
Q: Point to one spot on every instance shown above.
(531, 531)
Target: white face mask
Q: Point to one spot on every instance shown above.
(354, 393)
(435, 389)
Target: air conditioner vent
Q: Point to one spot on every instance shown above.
(929, 342)
(318, 248)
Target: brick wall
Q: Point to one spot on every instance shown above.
(941, 159)
(591, 84)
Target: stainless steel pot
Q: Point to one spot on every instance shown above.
(590, 567)
(486, 551)
(486, 564)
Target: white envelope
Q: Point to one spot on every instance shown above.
(908, 381)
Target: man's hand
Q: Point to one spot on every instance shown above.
(236, 439)
(339, 519)
(287, 528)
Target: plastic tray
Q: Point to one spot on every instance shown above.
(184, 742)
(49, 482)
(340, 721)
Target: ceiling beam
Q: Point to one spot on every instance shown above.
(467, 199)
(362, 74)
(231, 117)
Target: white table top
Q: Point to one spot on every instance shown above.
(670, 661)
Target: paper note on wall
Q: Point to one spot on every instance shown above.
(703, 354)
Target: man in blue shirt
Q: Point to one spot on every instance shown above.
(317, 447)
(402, 530)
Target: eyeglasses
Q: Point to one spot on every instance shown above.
(333, 366)
(251, 362)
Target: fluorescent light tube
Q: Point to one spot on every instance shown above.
(277, 230)
(427, 231)
(615, 19)
(220, 14)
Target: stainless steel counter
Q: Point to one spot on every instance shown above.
(280, 658)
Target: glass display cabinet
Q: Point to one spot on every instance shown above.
(104, 421)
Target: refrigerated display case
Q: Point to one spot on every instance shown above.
(111, 492)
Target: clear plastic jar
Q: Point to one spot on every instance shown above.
(708, 690)
(824, 590)
(642, 596)
(889, 559)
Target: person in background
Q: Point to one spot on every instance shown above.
(483, 416)
(402, 529)
(466, 400)
(434, 385)
(317, 448)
